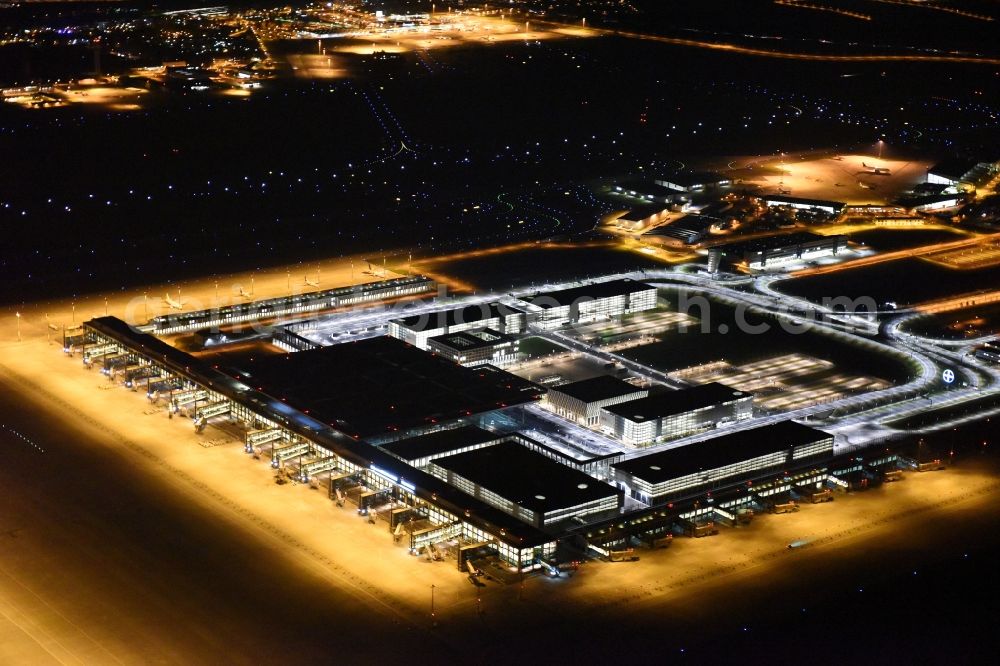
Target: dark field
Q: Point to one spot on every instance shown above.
(905, 282)
(887, 240)
(203, 184)
(532, 266)
(967, 323)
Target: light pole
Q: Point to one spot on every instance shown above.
(433, 619)
(18, 315)
(880, 144)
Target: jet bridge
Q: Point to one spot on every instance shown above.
(291, 451)
(214, 409)
(256, 438)
(99, 350)
(317, 467)
(187, 397)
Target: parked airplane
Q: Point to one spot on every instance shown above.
(878, 171)
(176, 305)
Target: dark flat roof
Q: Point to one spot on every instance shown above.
(719, 451)
(595, 290)
(464, 315)
(642, 212)
(690, 178)
(648, 187)
(438, 442)
(603, 387)
(527, 478)
(923, 200)
(383, 385)
(779, 241)
(669, 403)
(953, 168)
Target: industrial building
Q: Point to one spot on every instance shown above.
(928, 203)
(591, 302)
(526, 484)
(672, 414)
(775, 252)
(642, 217)
(417, 329)
(648, 190)
(961, 175)
(692, 181)
(798, 203)
(472, 348)
(741, 455)
(689, 229)
(582, 401)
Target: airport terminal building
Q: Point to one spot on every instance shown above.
(409, 436)
(672, 414)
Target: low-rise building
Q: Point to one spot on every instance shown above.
(690, 181)
(741, 455)
(582, 401)
(472, 348)
(672, 414)
(417, 329)
(591, 302)
(642, 217)
(775, 252)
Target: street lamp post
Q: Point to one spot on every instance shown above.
(18, 315)
(433, 619)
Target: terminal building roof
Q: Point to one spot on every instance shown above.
(603, 387)
(527, 478)
(719, 451)
(465, 315)
(383, 385)
(440, 442)
(586, 292)
(669, 403)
